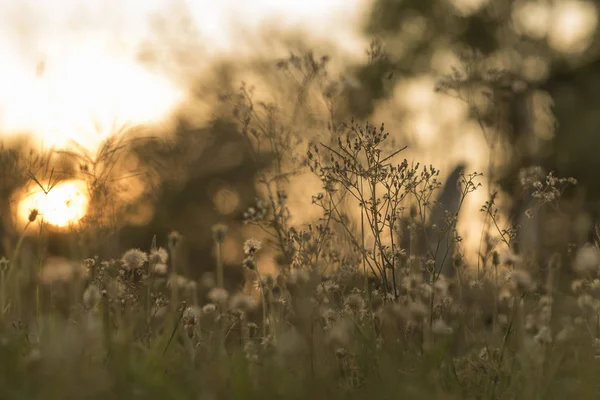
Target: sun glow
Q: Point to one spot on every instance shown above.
(65, 204)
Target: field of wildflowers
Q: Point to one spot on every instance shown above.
(381, 306)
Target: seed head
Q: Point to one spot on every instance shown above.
(33, 214)
(522, 281)
(355, 302)
(191, 316)
(219, 232)
(251, 246)
(134, 258)
(218, 295)
(242, 302)
(158, 256)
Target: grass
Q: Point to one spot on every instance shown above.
(359, 306)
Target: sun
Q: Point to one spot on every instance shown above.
(65, 204)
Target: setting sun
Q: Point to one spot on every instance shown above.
(65, 204)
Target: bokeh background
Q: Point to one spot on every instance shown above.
(139, 102)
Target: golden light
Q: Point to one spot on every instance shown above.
(573, 26)
(65, 204)
(71, 69)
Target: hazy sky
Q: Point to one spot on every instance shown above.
(64, 63)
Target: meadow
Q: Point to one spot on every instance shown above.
(361, 304)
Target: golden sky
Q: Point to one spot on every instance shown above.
(68, 64)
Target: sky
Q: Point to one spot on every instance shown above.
(69, 69)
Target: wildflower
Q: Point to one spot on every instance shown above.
(190, 316)
(189, 319)
(219, 232)
(134, 258)
(355, 303)
(158, 256)
(91, 296)
(218, 295)
(521, 281)
(242, 302)
(209, 308)
(252, 246)
(587, 260)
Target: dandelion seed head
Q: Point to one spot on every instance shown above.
(218, 295)
(242, 302)
(158, 256)
(191, 316)
(134, 258)
(355, 303)
(521, 281)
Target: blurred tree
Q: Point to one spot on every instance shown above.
(411, 33)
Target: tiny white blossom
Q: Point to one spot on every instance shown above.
(251, 246)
